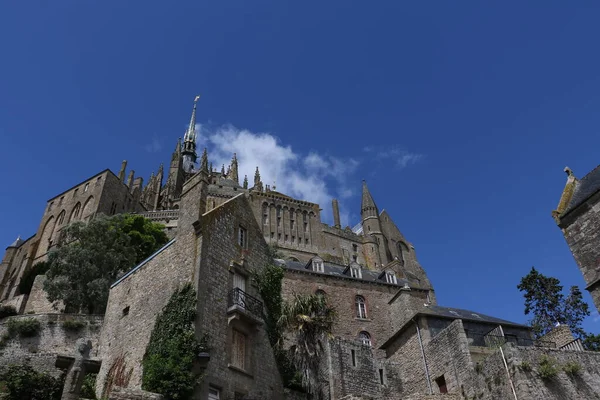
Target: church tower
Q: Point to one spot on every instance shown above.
(371, 224)
(189, 143)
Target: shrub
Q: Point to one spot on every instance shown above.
(525, 366)
(26, 327)
(572, 368)
(7, 311)
(548, 369)
(478, 368)
(73, 325)
(88, 389)
(24, 383)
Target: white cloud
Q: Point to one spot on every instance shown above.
(154, 146)
(401, 157)
(314, 177)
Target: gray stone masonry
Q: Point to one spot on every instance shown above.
(581, 228)
(119, 393)
(560, 336)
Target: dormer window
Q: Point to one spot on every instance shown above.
(317, 265)
(390, 277)
(355, 271)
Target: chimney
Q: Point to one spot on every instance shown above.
(336, 213)
(122, 171)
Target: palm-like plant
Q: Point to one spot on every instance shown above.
(308, 322)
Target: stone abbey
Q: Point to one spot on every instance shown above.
(391, 338)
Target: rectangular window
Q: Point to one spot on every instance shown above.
(353, 354)
(355, 273)
(293, 239)
(238, 351)
(381, 376)
(354, 257)
(242, 237)
(354, 248)
(318, 266)
(286, 238)
(214, 394)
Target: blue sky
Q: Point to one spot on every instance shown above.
(460, 115)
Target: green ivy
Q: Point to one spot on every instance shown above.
(25, 327)
(73, 325)
(268, 280)
(173, 348)
(88, 389)
(24, 383)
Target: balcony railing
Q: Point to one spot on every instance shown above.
(237, 297)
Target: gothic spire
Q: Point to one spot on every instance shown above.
(367, 203)
(189, 143)
(234, 169)
(204, 161)
(190, 134)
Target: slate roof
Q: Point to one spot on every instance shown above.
(17, 242)
(452, 313)
(332, 269)
(467, 315)
(586, 186)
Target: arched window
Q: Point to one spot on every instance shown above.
(402, 250)
(365, 338)
(361, 307)
(75, 213)
(61, 218)
(88, 206)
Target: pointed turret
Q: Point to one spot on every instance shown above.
(257, 182)
(204, 161)
(189, 142)
(234, 169)
(368, 208)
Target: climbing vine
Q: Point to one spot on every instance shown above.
(173, 348)
(268, 280)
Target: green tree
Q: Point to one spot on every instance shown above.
(145, 236)
(92, 255)
(591, 342)
(548, 305)
(309, 321)
(24, 383)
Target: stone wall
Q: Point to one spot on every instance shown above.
(38, 302)
(40, 351)
(581, 228)
(119, 393)
(560, 336)
(130, 315)
(54, 336)
(354, 369)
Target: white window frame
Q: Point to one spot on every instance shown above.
(214, 393)
(365, 338)
(361, 307)
(318, 266)
(390, 277)
(355, 272)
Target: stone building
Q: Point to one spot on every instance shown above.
(578, 217)
(392, 339)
